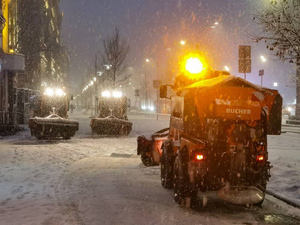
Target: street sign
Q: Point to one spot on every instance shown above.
(156, 84)
(244, 59)
(261, 73)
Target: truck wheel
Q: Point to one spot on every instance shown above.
(179, 182)
(184, 194)
(166, 171)
(147, 160)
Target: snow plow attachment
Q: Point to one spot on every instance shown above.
(52, 127)
(110, 126)
(248, 195)
(149, 147)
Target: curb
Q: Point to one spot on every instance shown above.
(146, 113)
(290, 125)
(282, 198)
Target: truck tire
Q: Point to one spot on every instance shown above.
(147, 160)
(182, 188)
(166, 171)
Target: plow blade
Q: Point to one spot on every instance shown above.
(110, 126)
(241, 195)
(53, 126)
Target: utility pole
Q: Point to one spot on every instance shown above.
(96, 86)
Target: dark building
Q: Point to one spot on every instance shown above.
(34, 30)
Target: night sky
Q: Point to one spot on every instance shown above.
(152, 26)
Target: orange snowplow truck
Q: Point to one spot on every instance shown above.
(217, 139)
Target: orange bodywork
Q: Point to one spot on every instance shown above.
(221, 98)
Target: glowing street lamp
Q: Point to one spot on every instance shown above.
(182, 42)
(263, 59)
(95, 78)
(226, 68)
(275, 84)
(147, 60)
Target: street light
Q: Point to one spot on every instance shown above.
(261, 72)
(275, 84)
(182, 42)
(263, 59)
(147, 60)
(226, 68)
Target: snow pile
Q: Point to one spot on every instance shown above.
(284, 155)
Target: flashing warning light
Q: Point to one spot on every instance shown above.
(194, 65)
(260, 158)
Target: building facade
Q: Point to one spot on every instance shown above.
(34, 30)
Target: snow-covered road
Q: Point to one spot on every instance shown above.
(96, 180)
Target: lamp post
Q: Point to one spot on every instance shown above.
(262, 72)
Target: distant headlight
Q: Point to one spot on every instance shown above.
(49, 92)
(151, 108)
(105, 94)
(57, 92)
(60, 92)
(117, 94)
(289, 109)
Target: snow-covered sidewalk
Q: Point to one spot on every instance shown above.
(284, 155)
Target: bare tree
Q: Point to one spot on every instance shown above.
(115, 54)
(280, 25)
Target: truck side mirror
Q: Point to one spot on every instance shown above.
(163, 91)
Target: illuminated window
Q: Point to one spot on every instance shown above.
(52, 25)
(46, 4)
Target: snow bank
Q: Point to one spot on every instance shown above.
(284, 155)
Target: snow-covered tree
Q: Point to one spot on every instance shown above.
(280, 25)
(115, 54)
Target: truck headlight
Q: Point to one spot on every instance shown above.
(106, 94)
(49, 92)
(117, 94)
(59, 92)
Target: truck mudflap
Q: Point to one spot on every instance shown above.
(241, 195)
